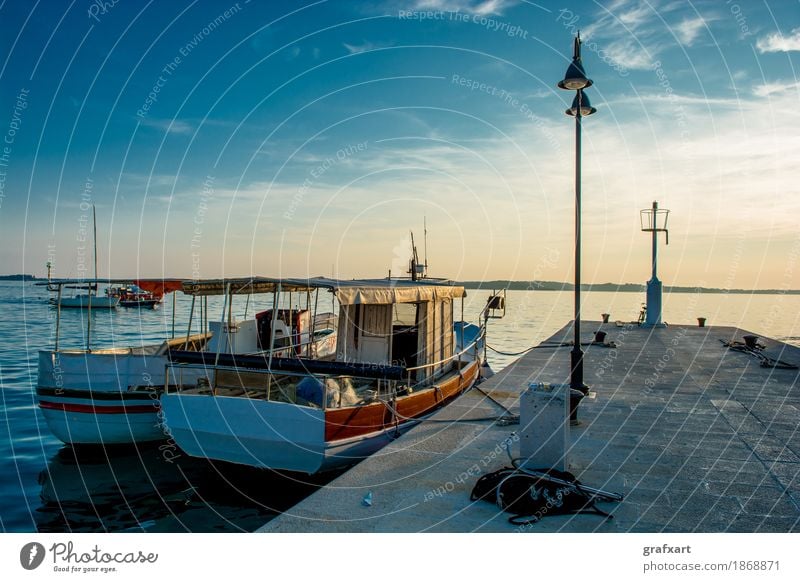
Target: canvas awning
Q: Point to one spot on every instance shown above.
(400, 292)
(348, 292)
(159, 287)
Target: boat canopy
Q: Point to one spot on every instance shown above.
(348, 292)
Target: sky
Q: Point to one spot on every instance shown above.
(311, 138)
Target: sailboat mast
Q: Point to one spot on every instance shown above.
(94, 222)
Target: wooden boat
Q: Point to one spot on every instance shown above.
(111, 395)
(399, 357)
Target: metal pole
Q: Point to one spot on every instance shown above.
(655, 240)
(576, 356)
(221, 324)
(189, 328)
(275, 296)
(174, 293)
(229, 333)
(58, 314)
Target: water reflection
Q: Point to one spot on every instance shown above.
(141, 489)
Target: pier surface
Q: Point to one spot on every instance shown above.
(697, 437)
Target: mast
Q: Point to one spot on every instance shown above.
(425, 230)
(94, 223)
(89, 299)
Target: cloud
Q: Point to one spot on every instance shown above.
(481, 7)
(688, 30)
(168, 125)
(629, 54)
(778, 43)
(358, 48)
(628, 32)
(768, 89)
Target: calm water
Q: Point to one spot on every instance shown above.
(48, 487)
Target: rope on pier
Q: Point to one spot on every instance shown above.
(559, 345)
(765, 361)
(526, 350)
(503, 420)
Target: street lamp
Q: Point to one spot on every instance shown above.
(576, 80)
(654, 220)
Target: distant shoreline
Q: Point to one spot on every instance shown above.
(18, 277)
(616, 288)
(552, 286)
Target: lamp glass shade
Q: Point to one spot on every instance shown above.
(586, 107)
(575, 78)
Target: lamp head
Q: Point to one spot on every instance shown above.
(575, 78)
(581, 100)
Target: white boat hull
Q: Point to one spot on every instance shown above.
(101, 398)
(272, 435)
(284, 436)
(78, 421)
(82, 302)
(245, 431)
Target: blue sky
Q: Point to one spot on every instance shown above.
(308, 138)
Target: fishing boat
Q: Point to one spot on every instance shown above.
(399, 356)
(110, 395)
(131, 295)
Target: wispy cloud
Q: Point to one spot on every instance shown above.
(168, 125)
(480, 7)
(779, 43)
(627, 31)
(688, 30)
(364, 47)
(768, 89)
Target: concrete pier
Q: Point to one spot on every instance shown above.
(697, 437)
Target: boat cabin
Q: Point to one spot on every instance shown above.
(388, 330)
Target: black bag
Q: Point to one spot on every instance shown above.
(532, 497)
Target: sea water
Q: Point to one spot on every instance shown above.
(47, 486)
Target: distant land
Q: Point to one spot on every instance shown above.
(614, 287)
(547, 286)
(17, 277)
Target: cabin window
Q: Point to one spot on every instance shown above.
(405, 314)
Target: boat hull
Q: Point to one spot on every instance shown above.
(101, 398)
(140, 304)
(82, 302)
(264, 434)
(80, 418)
(290, 437)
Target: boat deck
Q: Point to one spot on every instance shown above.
(697, 438)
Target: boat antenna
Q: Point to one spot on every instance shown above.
(414, 259)
(425, 230)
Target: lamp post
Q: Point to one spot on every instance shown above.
(576, 80)
(654, 220)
